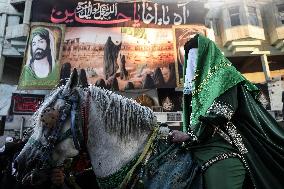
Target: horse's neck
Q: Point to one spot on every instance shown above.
(108, 149)
(109, 153)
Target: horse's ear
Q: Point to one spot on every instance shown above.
(65, 73)
(73, 80)
(82, 81)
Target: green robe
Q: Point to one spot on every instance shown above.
(30, 80)
(237, 136)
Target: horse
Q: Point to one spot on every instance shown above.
(120, 136)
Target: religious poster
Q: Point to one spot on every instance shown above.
(25, 104)
(182, 34)
(122, 58)
(41, 65)
(148, 97)
(122, 46)
(170, 100)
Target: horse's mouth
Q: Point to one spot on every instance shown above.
(27, 170)
(32, 177)
(35, 177)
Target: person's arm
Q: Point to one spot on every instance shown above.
(57, 176)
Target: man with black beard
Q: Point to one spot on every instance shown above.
(40, 68)
(41, 61)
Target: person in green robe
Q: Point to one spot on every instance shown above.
(235, 140)
(41, 69)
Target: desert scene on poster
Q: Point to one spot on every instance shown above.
(122, 58)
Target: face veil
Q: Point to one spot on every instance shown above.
(213, 76)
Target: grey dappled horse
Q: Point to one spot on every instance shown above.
(119, 134)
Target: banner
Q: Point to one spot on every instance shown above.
(41, 66)
(101, 14)
(25, 104)
(121, 58)
(182, 34)
(122, 46)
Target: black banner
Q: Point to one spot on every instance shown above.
(105, 14)
(25, 104)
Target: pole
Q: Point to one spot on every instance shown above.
(2, 125)
(22, 127)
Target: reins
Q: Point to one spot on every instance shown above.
(78, 130)
(79, 124)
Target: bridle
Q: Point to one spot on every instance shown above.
(79, 115)
(78, 130)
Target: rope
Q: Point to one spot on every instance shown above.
(140, 159)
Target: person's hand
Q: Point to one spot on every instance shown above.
(178, 136)
(57, 176)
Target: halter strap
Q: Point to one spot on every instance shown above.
(79, 124)
(65, 135)
(74, 131)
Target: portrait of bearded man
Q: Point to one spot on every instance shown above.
(41, 64)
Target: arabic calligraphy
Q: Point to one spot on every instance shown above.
(97, 11)
(88, 12)
(152, 15)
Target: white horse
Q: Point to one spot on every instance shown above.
(117, 132)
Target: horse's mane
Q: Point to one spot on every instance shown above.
(121, 115)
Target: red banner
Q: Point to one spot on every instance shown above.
(25, 103)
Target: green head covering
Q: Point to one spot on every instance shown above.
(43, 33)
(213, 76)
(40, 31)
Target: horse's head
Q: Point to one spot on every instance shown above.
(118, 129)
(46, 148)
